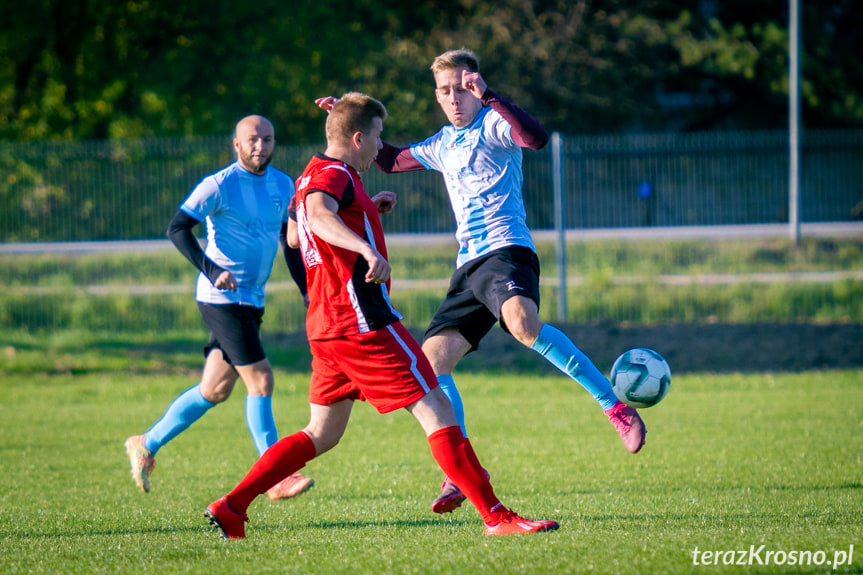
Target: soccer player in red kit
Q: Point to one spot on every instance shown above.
(360, 350)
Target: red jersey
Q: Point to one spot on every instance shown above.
(340, 301)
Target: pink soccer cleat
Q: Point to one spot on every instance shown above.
(450, 497)
(629, 425)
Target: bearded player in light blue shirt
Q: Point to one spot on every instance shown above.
(245, 207)
(497, 271)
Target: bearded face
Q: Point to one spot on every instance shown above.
(254, 143)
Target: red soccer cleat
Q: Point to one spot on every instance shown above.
(629, 426)
(512, 524)
(230, 523)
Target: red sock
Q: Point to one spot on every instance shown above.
(288, 455)
(474, 460)
(453, 453)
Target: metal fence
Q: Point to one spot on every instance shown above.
(119, 190)
(709, 179)
(57, 195)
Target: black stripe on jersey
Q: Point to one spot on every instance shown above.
(348, 195)
(370, 298)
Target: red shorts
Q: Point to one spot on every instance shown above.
(385, 367)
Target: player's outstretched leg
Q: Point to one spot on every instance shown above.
(559, 350)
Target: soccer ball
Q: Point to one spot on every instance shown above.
(640, 377)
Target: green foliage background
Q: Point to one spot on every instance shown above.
(79, 69)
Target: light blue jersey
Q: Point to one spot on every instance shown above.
(244, 215)
(481, 166)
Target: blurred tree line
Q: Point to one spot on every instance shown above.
(82, 69)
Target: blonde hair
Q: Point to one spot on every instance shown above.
(451, 59)
(354, 112)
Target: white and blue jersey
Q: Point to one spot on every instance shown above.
(244, 215)
(481, 166)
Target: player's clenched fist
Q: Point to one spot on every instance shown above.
(379, 268)
(326, 103)
(473, 83)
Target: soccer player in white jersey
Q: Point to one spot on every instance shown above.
(497, 270)
(245, 207)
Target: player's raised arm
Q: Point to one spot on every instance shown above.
(391, 159)
(526, 131)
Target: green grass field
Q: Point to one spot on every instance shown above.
(732, 461)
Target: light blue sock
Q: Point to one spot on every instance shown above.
(259, 417)
(183, 412)
(448, 386)
(553, 345)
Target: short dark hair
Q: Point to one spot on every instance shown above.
(354, 112)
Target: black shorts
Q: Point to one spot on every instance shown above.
(478, 289)
(236, 330)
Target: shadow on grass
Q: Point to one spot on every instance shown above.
(382, 524)
(210, 530)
